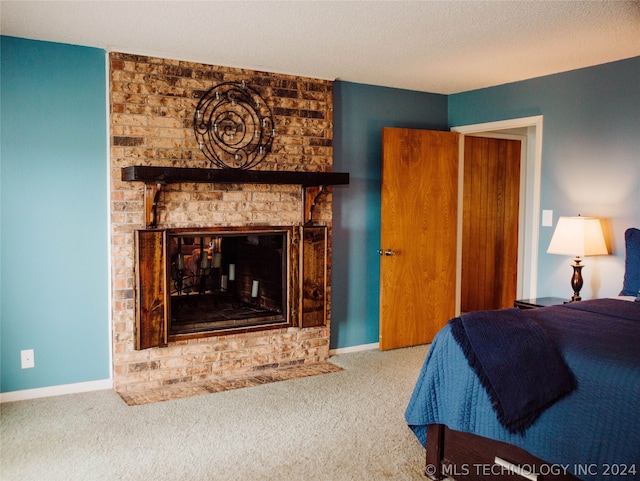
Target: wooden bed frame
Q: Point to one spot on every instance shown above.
(466, 456)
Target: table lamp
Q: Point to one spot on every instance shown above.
(579, 237)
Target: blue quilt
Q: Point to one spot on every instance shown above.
(593, 432)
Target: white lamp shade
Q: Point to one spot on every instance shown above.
(578, 236)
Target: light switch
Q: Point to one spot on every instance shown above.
(547, 218)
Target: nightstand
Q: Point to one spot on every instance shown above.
(538, 302)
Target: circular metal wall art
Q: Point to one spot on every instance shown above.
(233, 126)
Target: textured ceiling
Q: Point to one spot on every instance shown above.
(432, 46)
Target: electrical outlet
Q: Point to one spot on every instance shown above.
(27, 359)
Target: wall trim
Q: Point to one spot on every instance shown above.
(361, 347)
(41, 392)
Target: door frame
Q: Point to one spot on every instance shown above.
(529, 216)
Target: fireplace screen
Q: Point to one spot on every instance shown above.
(226, 280)
(202, 282)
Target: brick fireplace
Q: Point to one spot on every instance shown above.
(152, 101)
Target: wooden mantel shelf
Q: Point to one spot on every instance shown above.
(313, 183)
(168, 175)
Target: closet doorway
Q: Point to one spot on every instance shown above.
(529, 131)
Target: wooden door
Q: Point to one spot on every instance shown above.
(490, 223)
(419, 208)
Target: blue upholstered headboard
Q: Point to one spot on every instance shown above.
(631, 285)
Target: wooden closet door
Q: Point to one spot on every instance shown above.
(490, 223)
(419, 207)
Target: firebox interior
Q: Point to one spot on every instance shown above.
(222, 281)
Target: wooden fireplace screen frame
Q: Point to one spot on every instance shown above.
(307, 281)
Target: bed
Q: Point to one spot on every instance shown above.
(574, 414)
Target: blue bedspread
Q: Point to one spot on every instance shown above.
(594, 431)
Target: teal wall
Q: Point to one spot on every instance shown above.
(54, 237)
(360, 113)
(590, 158)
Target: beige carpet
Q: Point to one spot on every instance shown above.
(344, 426)
(185, 390)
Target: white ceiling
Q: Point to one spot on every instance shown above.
(432, 46)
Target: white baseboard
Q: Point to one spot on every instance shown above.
(79, 387)
(361, 347)
(6, 397)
